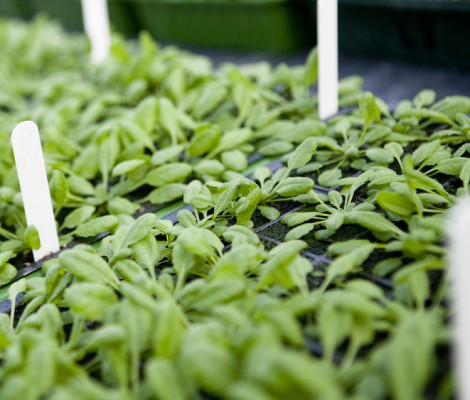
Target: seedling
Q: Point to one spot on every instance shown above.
(34, 186)
(212, 302)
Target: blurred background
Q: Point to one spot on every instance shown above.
(398, 46)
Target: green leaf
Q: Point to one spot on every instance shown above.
(381, 156)
(39, 366)
(80, 186)
(108, 153)
(169, 120)
(279, 147)
(7, 273)
(217, 293)
(410, 356)
(296, 218)
(377, 133)
(5, 256)
(453, 105)
(127, 166)
(299, 231)
(368, 108)
(168, 173)
(387, 266)
(241, 234)
(146, 251)
(278, 268)
(170, 331)
(88, 267)
(287, 326)
(425, 151)
(213, 94)
(108, 336)
(78, 216)
(246, 206)
(90, 300)
(294, 186)
(396, 203)
(335, 198)
(98, 225)
(395, 149)
(261, 174)
(205, 139)
(169, 154)
(165, 381)
(347, 263)
(452, 166)
(302, 154)
(139, 229)
(329, 178)
(186, 218)
(167, 193)
(227, 196)
(234, 160)
(346, 247)
(303, 130)
(270, 213)
(233, 139)
(418, 179)
(13, 291)
(59, 189)
(465, 175)
(198, 241)
(372, 220)
(334, 221)
(121, 205)
(212, 366)
(129, 270)
(424, 98)
(146, 114)
(209, 167)
(31, 237)
(311, 67)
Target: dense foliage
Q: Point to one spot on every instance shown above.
(319, 277)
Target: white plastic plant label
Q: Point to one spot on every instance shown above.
(327, 33)
(34, 186)
(96, 23)
(459, 246)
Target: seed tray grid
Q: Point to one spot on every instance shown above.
(272, 231)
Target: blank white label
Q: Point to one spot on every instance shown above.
(96, 23)
(34, 186)
(459, 257)
(327, 25)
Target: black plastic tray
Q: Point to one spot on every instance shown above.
(424, 31)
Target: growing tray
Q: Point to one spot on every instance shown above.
(69, 13)
(424, 31)
(9, 8)
(268, 25)
(271, 25)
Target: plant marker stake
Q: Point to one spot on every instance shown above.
(327, 32)
(459, 243)
(96, 23)
(34, 186)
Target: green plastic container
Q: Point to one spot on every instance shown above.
(9, 8)
(424, 31)
(262, 25)
(69, 13)
(268, 25)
